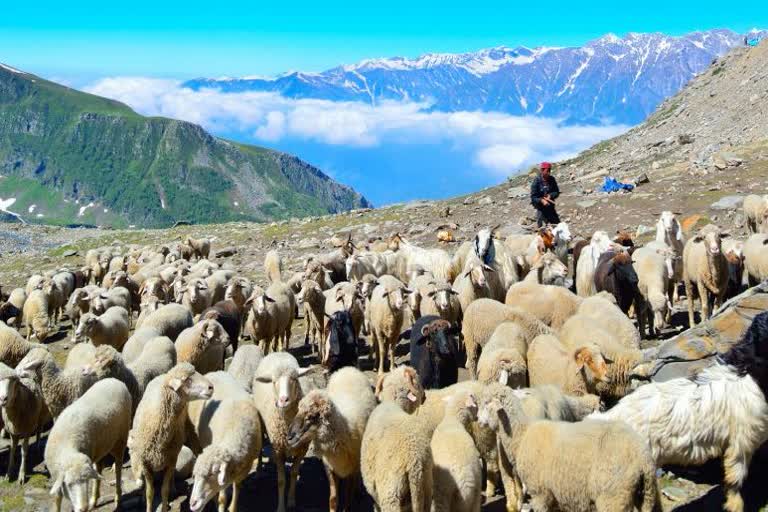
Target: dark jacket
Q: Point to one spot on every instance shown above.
(540, 188)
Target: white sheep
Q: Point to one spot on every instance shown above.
(35, 315)
(104, 300)
(277, 392)
(359, 264)
(217, 284)
(505, 357)
(203, 346)
(95, 426)
(705, 271)
(335, 419)
(756, 213)
(80, 302)
(312, 300)
(442, 300)
(158, 426)
(551, 304)
(473, 283)
(201, 247)
(273, 267)
(271, 316)
(346, 296)
(169, 320)
(110, 328)
(228, 430)
(13, 347)
(436, 261)
(670, 233)
(386, 319)
(653, 273)
(587, 264)
(574, 371)
(756, 258)
(196, 296)
(457, 473)
(607, 315)
(244, 364)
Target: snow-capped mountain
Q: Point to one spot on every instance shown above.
(610, 79)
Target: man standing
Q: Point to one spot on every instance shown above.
(544, 191)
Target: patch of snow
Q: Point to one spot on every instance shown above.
(12, 70)
(236, 203)
(698, 44)
(572, 79)
(131, 226)
(5, 203)
(39, 215)
(106, 210)
(617, 58)
(31, 209)
(162, 203)
(83, 209)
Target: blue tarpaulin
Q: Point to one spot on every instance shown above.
(611, 185)
(753, 42)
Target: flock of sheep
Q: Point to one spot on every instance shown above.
(542, 321)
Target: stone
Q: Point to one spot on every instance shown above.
(674, 493)
(738, 220)
(642, 229)
(226, 252)
(369, 229)
(415, 205)
(467, 201)
(309, 243)
(517, 192)
(685, 138)
(485, 201)
(70, 253)
(643, 178)
(727, 203)
(417, 229)
(655, 165)
(586, 204)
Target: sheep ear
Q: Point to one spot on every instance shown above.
(488, 268)
(698, 239)
(306, 371)
(25, 369)
(765, 242)
(175, 384)
(56, 487)
(504, 377)
(471, 402)
(424, 333)
(263, 380)
(581, 357)
(223, 474)
(431, 294)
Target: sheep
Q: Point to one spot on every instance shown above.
(100, 302)
(335, 419)
(35, 282)
(276, 392)
(756, 213)
(169, 320)
(123, 280)
(203, 346)
(442, 300)
(434, 353)
(244, 364)
(550, 304)
(8, 311)
(227, 314)
(228, 430)
(217, 284)
(79, 302)
(23, 412)
(608, 465)
(473, 284)
(157, 432)
(271, 316)
(360, 264)
(706, 269)
(341, 342)
(346, 296)
(147, 308)
(456, 472)
(57, 297)
(196, 296)
(587, 263)
(653, 282)
(575, 371)
(315, 271)
(719, 412)
(312, 300)
(35, 316)
(386, 319)
(106, 362)
(505, 357)
(153, 287)
(436, 261)
(95, 426)
(368, 283)
(238, 291)
(273, 267)
(670, 233)
(110, 328)
(481, 319)
(606, 314)
(201, 247)
(550, 403)
(481, 246)
(157, 358)
(18, 297)
(734, 254)
(13, 346)
(548, 269)
(336, 261)
(396, 460)
(756, 258)
(562, 239)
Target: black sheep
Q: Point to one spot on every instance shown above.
(434, 352)
(341, 342)
(227, 314)
(616, 275)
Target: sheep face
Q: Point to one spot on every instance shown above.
(98, 306)
(41, 326)
(352, 264)
(414, 301)
(488, 413)
(210, 477)
(508, 369)
(213, 332)
(483, 243)
(258, 301)
(85, 328)
(76, 482)
(590, 361)
(184, 380)
(442, 298)
(196, 289)
(551, 270)
(669, 225)
(348, 297)
(712, 240)
(396, 298)
(369, 283)
(314, 410)
(476, 275)
(235, 292)
(562, 233)
(8, 389)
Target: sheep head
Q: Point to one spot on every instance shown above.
(85, 328)
(562, 233)
(210, 477)
(590, 361)
(402, 386)
(313, 413)
(442, 296)
(508, 369)
(285, 386)
(669, 226)
(259, 301)
(185, 381)
(76, 481)
(711, 237)
(9, 385)
(105, 362)
(550, 270)
(483, 244)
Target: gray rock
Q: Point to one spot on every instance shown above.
(485, 201)
(728, 203)
(415, 205)
(309, 243)
(467, 201)
(586, 204)
(226, 252)
(417, 229)
(368, 229)
(674, 493)
(517, 192)
(643, 178)
(642, 229)
(685, 138)
(70, 253)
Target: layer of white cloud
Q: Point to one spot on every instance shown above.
(500, 143)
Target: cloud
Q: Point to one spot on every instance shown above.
(499, 143)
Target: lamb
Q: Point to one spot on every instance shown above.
(734, 254)
(24, 413)
(436, 261)
(35, 316)
(312, 301)
(719, 412)
(227, 314)
(335, 419)
(548, 269)
(203, 346)
(123, 280)
(505, 357)
(13, 347)
(457, 473)
(386, 319)
(396, 460)
(244, 364)
(346, 296)
(110, 328)
(196, 296)
(756, 213)
(756, 258)
(60, 387)
(481, 319)
(95, 426)
(158, 426)
(271, 316)
(575, 371)
(608, 465)
(442, 301)
(96, 264)
(587, 263)
(614, 274)
(472, 284)
(228, 429)
(550, 304)
(706, 269)
(653, 282)
(273, 267)
(276, 392)
(201, 247)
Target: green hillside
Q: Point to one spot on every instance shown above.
(71, 157)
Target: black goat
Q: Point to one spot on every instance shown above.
(340, 343)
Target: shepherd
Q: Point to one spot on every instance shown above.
(544, 191)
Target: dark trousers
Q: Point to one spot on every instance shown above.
(546, 215)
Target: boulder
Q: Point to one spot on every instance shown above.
(728, 203)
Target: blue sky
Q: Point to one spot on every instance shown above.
(82, 40)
